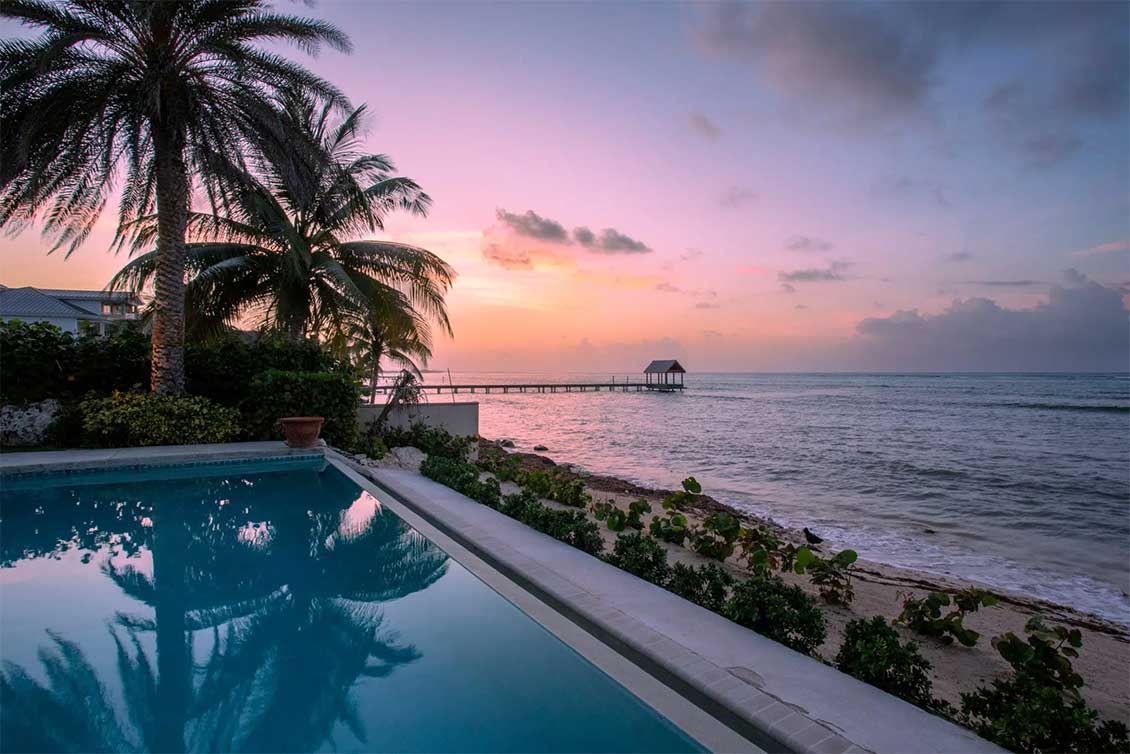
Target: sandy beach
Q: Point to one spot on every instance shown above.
(880, 589)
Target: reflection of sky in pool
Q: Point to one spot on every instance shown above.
(282, 611)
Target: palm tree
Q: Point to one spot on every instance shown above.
(399, 336)
(281, 248)
(157, 93)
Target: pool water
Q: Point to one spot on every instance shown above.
(273, 609)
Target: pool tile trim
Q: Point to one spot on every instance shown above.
(28, 465)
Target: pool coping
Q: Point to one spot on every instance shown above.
(122, 459)
(779, 699)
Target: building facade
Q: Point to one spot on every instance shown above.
(71, 311)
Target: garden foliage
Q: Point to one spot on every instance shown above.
(778, 611)
(872, 652)
(139, 419)
(1039, 708)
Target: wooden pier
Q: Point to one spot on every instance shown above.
(549, 387)
(661, 376)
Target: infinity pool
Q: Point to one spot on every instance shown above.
(272, 608)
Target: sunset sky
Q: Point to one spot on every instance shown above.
(747, 187)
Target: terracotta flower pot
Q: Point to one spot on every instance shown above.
(302, 431)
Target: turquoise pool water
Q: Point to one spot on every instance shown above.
(244, 608)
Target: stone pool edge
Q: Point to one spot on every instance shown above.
(830, 714)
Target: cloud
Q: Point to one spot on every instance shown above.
(736, 196)
(788, 287)
(707, 305)
(833, 272)
(846, 54)
(506, 243)
(1113, 247)
(806, 243)
(533, 225)
(801, 306)
(1005, 283)
(1081, 326)
(704, 127)
(1046, 149)
(667, 287)
(879, 60)
(904, 186)
(958, 256)
(611, 241)
(510, 259)
(690, 255)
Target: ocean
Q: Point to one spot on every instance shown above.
(1020, 481)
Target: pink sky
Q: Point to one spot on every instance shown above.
(777, 214)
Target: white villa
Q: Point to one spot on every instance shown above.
(71, 311)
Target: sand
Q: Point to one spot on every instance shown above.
(880, 589)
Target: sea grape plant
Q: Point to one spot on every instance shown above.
(680, 499)
(716, 537)
(764, 551)
(1039, 707)
(617, 519)
(924, 614)
(833, 577)
(671, 527)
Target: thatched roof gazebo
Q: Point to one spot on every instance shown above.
(665, 374)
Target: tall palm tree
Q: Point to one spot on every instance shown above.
(156, 93)
(281, 248)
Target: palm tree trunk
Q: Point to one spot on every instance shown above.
(167, 375)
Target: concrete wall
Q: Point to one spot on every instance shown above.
(460, 419)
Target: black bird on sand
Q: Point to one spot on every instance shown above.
(812, 538)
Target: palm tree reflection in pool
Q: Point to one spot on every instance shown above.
(292, 604)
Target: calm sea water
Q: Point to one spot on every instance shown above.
(1019, 481)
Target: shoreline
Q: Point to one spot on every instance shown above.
(880, 589)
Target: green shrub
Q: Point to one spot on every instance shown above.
(277, 393)
(705, 585)
(1039, 707)
(778, 611)
(640, 555)
(375, 448)
(873, 653)
(36, 360)
(569, 492)
(833, 577)
(538, 482)
(716, 537)
(924, 614)
(571, 527)
(117, 361)
(435, 441)
(136, 419)
(222, 368)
